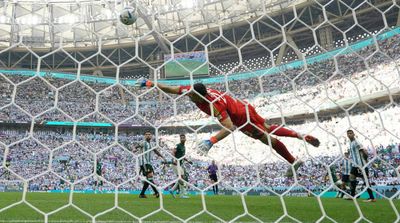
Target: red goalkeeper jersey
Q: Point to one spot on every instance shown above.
(223, 104)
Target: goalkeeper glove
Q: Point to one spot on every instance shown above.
(143, 82)
(206, 145)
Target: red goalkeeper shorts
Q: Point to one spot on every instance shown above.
(255, 127)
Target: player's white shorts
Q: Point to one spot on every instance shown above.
(338, 183)
(178, 170)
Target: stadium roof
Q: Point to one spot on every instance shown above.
(79, 23)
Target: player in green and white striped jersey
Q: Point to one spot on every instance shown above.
(146, 148)
(359, 156)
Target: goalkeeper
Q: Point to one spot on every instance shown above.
(232, 113)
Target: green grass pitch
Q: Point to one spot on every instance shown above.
(265, 208)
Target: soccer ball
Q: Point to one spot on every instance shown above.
(128, 16)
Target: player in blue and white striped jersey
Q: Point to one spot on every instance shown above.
(359, 156)
(345, 168)
(146, 148)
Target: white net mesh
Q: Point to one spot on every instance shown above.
(318, 67)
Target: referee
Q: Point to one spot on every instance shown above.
(212, 172)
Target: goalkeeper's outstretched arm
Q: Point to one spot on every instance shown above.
(166, 88)
(228, 127)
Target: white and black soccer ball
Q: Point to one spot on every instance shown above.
(128, 16)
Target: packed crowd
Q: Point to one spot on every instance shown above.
(240, 158)
(118, 169)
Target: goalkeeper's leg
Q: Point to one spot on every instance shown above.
(282, 131)
(279, 147)
(278, 130)
(258, 131)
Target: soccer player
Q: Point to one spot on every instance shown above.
(146, 149)
(359, 156)
(212, 173)
(232, 113)
(8, 161)
(6, 172)
(99, 172)
(179, 153)
(345, 171)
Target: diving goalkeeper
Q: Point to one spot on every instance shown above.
(231, 113)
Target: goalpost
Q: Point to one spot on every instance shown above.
(68, 133)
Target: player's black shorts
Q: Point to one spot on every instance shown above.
(146, 169)
(357, 172)
(345, 178)
(214, 177)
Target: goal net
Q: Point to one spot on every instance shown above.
(73, 120)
